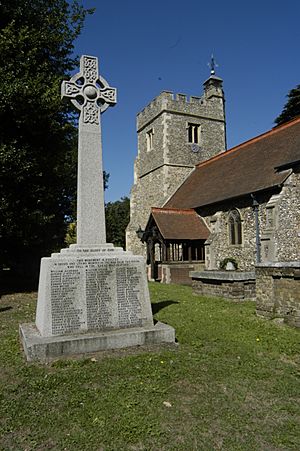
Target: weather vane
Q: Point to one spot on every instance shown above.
(212, 65)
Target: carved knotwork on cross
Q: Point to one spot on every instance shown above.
(88, 91)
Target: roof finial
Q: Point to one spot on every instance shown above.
(212, 65)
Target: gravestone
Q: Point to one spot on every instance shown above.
(92, 296)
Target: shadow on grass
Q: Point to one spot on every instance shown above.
(4, 309)
(11, 282)
(157, 306)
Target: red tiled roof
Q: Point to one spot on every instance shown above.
(176, 224)
(250, 167)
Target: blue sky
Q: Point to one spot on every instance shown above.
(145, 47)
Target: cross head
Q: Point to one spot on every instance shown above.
(88, 91)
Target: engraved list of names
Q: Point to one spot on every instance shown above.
(66, 314)
(92, 294)
(112, 296)
(129, 307)
(100, 296)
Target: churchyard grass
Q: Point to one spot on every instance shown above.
(231, 383)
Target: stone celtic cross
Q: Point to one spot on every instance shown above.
(90, 93)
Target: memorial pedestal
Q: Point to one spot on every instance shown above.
(91, 299)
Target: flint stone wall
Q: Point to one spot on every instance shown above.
(287, 236)
(159, 171)
(278, 291)
(218, 246)
(224, 284)
(153, 190)
(168, 116)
(279, 224)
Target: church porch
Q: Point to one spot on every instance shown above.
(175, 244)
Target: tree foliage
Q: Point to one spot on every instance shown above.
(38, 140)
(70, 237)
(117, 219)
(291, 108)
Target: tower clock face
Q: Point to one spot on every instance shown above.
(195, 148)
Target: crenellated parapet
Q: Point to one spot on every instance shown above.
(209, 106)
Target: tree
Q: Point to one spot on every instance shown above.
(291, 108)
(117, 219)
(71, 236)
(38, 138)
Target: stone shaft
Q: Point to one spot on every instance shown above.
(90, 197)
(91, 95)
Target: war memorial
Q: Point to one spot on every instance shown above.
(92, 296)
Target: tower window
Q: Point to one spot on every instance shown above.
(149, 137)
(193, 133)
(235, 227)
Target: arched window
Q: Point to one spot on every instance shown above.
(235, 227)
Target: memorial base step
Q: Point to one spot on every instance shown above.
(45, 349)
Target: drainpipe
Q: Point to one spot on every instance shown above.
(255, 206)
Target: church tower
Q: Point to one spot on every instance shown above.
(174, 134)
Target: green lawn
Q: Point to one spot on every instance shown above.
(232, 383)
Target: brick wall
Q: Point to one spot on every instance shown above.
(178, 272)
